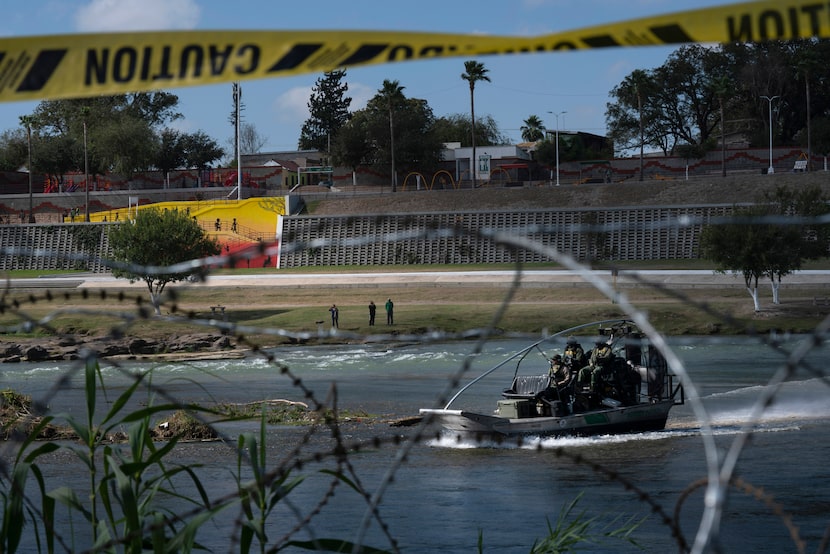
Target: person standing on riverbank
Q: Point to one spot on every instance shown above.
(372, 310)
(390, 318)
(335, 316)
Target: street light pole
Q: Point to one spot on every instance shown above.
(769, 99)
(86, 178)
(29, 164)
(238, 98)
(557, 114)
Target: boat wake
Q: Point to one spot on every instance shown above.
(796, 404)
(448, 440)
(794, 401)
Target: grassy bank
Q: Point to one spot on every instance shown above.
(418, 309)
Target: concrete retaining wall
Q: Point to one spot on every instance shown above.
(456, 238)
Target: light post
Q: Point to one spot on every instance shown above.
(769, 99)
(237, 96)
(86, 178)
(27, 120)
(557, 114)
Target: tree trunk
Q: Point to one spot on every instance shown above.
(776, 285)
(473, 161)
(753, 292)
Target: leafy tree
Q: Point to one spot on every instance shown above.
(127, 145)
(328, 109)
(673, 104)
(377, 136)
(122, 132)
(683, 101)
(12, 149)
(156, 108)
(767, 239)
(740, 247)
(533, 130)
(457, 128)
(171, 151)
(158, 239)
(474, 72)
(630, 124)
(352, 147)
(797, 242)
(200, 151)
(821, 135)
(572, 147)
(416, 146)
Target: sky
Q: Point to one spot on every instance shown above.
(575, 85)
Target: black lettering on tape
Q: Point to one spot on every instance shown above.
(365, 53)
(193, 55)
(248, 55)
(400, 52)
(525, 49)
(812, 12)
(219, 58)
(433, 51)
(774, 25)
(96, 66)
(45, 64)
(600, 41)
(771, 24)
(671, 34)
(296, 56)
(124, 65)
(146, 58)
(164, 71)
(739, 29)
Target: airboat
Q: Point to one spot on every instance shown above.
(621, 385)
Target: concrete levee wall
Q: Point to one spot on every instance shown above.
(641, 233)
(53, 247)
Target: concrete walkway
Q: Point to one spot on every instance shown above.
(534, 278)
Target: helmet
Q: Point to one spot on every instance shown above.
(571, 340)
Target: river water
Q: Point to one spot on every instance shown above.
(445, 494)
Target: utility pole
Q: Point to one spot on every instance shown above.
(557, 114)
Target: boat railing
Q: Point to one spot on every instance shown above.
(676, 389)
(524, 352)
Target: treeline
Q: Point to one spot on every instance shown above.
(702, 95)
(121, 134)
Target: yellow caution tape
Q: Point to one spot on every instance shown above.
(67, 66)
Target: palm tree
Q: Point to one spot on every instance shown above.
(392, 95)
(533, 130)
(474, 72)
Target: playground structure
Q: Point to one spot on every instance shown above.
(442, 177)
(238, 225)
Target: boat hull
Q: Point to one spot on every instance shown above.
(629, 419)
